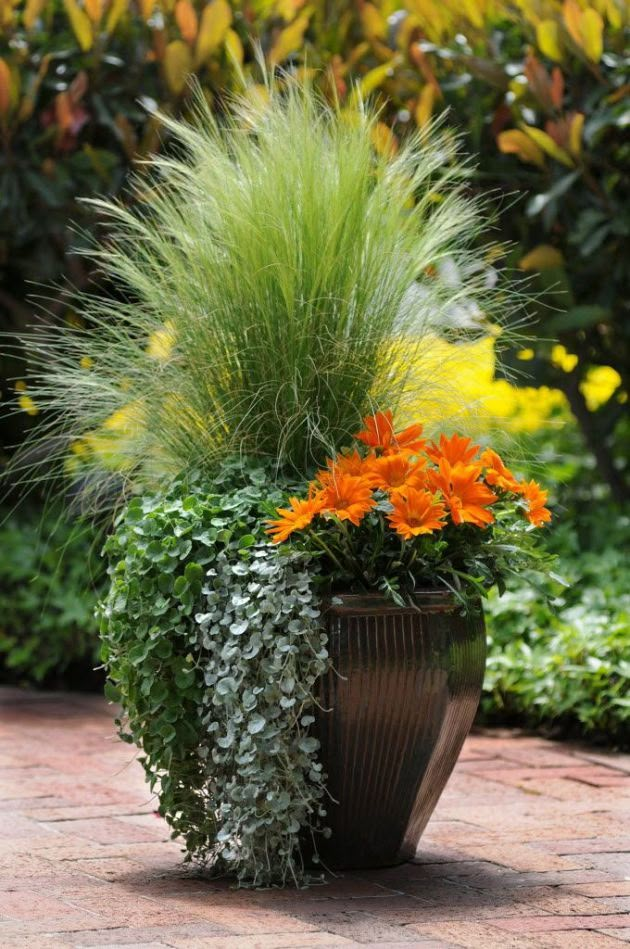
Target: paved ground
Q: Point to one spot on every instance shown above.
(529, 846)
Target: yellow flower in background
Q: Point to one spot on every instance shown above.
(455, 384)
(562, 359)
(109, 445)
(600, 384)
(28, 405)
(86, 362)
(161, 343)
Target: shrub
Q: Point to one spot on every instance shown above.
(50, 575)
(559, 656)
(564, 665)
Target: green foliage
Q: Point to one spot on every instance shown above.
(50, 576)
(564, 664)
(559, 657)
(273, 293)
(213, 644)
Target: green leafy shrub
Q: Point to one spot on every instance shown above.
(213, 643)
(50, 576)
(564, 665)
(559, 657)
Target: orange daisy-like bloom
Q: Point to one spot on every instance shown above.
(536, 513)
(294, 518)
(397, 473)
(497, 474)
(456, 450)
(348, 497)
(351, 463)
(409, 440)
(467, 497)
(378, 431)
(415, 513)
(379, 434)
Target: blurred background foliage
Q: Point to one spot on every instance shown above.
(538, 88)
(539, 92)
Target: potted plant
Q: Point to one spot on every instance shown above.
(279, 277)
(409, 536)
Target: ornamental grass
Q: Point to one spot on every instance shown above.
(274, 283)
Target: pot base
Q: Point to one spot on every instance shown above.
(403, 693)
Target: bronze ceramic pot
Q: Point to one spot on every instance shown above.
(401, 696)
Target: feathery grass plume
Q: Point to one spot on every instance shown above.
(277, 276)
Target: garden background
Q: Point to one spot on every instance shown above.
(538, 91)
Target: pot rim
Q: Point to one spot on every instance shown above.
(425, 601)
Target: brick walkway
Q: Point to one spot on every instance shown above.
(529, 846)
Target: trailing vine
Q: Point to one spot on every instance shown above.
(213, 643)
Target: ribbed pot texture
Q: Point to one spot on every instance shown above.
(399, 700)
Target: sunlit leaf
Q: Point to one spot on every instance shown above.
(474, 11)
(32, 12)
(557, 87)
(548, 39)
(384, 140)
(234, 47)
(543, 257)
(288, 40)
(613, 14)
(64, 112)
(116, 10)
(80, 22)
(146, 8)
(424, 107)
(515, 142)
(572, 15)
(178, 65)
(592, 31)
(373, 23)
(215, 22)
(575, 134)
(547, 144)
(374, 79)
(186, 19)
(5, 88)
(94, 9)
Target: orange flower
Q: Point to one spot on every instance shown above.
(351, 463)
(348, 497)
(379, 434)
(294, 518)
(396, 473)
(417, 512)
(378, 431)
(466, 496)
(409, 440)
(536, 513)
(497, 474)
(455, 449)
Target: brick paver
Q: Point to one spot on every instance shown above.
(529, 846)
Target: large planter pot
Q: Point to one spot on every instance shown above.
(399, 701)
